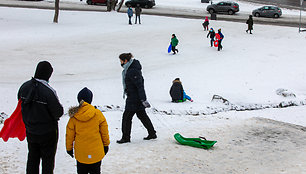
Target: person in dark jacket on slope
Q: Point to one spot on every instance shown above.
(212, 35)
(136, 101)
(137, 13)
(220, 40)
(177, 92)
(250, 24)
(41, 111)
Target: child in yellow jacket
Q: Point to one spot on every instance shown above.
(87, 133)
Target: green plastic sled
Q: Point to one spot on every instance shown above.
(195, 142)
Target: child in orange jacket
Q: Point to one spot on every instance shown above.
(87, 133)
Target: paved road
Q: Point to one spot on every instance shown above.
(197, 13)
(293, 4)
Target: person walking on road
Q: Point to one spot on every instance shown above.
(250, 24)
(138, 11)
(130, 14)
(41, 111)
(136, 101)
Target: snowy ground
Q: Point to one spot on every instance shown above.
(83, 49)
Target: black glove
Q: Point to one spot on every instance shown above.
(146, 104)
(70, 153)
(105, 149)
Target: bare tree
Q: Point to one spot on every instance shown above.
(56, 13)
(120, 5)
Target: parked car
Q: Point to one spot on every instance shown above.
(223, 7)
(94, 2)
(267, 11)
(142, 3)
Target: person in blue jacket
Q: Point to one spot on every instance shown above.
(177, 92)
(221, 38)
(130, 14)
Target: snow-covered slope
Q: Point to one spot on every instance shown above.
(84, 48)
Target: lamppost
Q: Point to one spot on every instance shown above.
(301, 7)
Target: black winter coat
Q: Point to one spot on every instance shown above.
(176, 91)
(212, 34)
(40, 107)
(138, 11)
(250, 23)
(134, 87)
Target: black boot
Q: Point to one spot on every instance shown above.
(149, 137)
(123, 141)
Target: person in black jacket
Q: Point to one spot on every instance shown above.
(212, 35)
(136, 102)
(137, 12)
(177, 92)
(250, 24)
(41, 111)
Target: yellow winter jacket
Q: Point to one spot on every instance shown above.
(87, 131)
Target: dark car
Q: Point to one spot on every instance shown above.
(223, 7)
(267, 11)
(94, 2)
(142, 3)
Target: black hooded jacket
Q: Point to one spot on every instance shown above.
(134, 87)
(176, 91)
(40, 107)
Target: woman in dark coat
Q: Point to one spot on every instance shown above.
(250, 24)
(136, 102)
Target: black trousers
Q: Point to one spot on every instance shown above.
(127, 123)
(219, 45)
(41, 147)
(173, 49)
(94, 168)
(212, 41)
(130, 22)
(137, 16)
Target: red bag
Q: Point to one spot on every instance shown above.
(14, 126)
(216, 43)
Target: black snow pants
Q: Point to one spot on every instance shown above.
(41, 147)
(94, 168)
(174, 49)
(127, 123)
(219, 45)
(212, 42)
(137, 16)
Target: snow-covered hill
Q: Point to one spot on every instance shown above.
(84, 48)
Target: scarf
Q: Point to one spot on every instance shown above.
(125, 68)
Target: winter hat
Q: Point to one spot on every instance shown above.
(86, 95)
(43, 70)
(173, 35)
(176, 80)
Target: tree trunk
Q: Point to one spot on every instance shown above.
(56, 13)
(120, 5)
